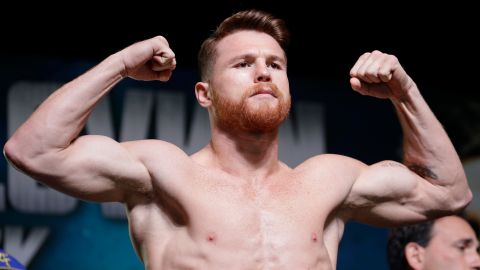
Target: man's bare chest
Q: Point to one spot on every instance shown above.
(285, 203)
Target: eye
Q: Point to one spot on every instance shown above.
(462, 248)
(275, 65)
(242, 64)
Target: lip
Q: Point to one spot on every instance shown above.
(265, 92)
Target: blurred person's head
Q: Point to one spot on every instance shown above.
(448, 243)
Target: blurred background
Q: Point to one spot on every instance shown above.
(44, 46)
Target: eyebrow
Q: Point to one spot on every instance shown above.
(467, 242)
(252, 56)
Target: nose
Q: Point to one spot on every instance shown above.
(475, 261)
(262, 74)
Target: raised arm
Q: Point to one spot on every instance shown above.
(47, 145)
(431, 182)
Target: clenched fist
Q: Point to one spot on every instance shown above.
(151, 59)
(380, 75)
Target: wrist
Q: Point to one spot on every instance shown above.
(116, 65)
(407, 94)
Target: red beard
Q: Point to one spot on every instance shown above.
(238, 116)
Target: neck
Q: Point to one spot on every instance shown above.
(244, 154)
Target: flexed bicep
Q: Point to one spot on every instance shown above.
(433, 182)
(47, 145)
(388, 193)
(93, 168)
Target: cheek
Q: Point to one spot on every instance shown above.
(444, 259)
(282, 82)
(238, 75)
(227, 89)
(234, 83)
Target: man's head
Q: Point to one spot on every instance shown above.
(447, 243)
(243, 70)
(253, 20)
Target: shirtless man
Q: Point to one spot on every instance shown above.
(233, 204)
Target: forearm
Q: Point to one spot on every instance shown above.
(428, 150)
(61, 117)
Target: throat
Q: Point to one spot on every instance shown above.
(253, 148)
(254, 172)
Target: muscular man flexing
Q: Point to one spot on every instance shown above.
(233, 204)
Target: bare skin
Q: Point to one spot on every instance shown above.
(233, 204)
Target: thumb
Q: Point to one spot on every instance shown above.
(164, 75)
(162, 62)
(356, 84)
(378, 90)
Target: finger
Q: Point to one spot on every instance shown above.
(161, 62)
(369, 71)
(362, 73)
(160, 44)
(385, 73)
(356, 84)
(166, 54)
(372, 74)
(365, 68)
(386, 70)
(360, 86)
(163, 55)
(378, 60)
(360, 61)
(164, 75)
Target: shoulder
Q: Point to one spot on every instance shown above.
(331, 162)
(336, 171)
(157, 148)
(331, 169)
(332, 176)
(157, 154)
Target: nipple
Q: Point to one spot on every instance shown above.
(211, 237)
(314, 237)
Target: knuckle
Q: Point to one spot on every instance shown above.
(161, 39)
(383, 73)
(366, 54)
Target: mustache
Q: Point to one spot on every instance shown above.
(263, 88)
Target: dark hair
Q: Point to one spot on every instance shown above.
(243, 20)
(401, 236)
(473, 223)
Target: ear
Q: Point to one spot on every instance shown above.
(203, 94)
(414, 253)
